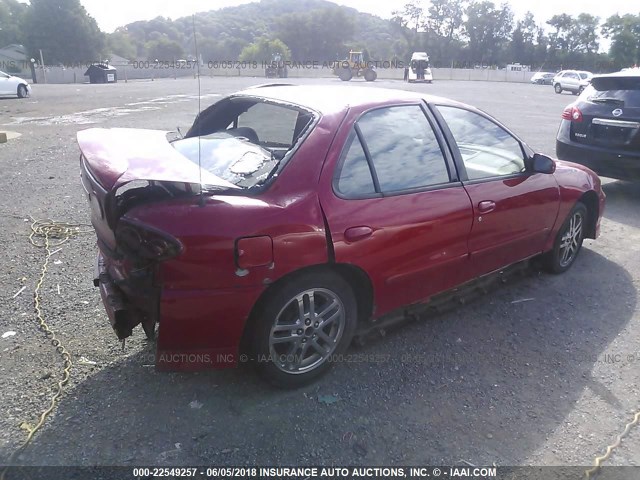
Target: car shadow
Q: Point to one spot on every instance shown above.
(623, 200)
(487, 382)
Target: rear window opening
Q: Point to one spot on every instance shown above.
(245, 140)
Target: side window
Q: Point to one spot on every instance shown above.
(355, 178)
(404, 150)
(487, 149)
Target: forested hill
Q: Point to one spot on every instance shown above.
(463, 33)
(311, 29)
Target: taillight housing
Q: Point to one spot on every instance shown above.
(572, 113)
(139, 241)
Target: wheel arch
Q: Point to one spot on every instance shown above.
(357, 278)
(590, 200)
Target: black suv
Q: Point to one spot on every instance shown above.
(601, 129)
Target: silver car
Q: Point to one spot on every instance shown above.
(574, 81)
(543, 78)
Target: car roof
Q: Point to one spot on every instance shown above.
(623, 73)
(327, 99)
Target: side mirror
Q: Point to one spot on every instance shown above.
(542, 164)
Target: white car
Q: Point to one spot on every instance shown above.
(575, 81)
(10, 85)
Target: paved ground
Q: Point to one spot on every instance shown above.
(543, 371)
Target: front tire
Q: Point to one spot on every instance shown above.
(557, 88)
(301, 326)
(22, 91)
(370, 75)
(568, 241)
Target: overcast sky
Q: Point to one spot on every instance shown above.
(111, 14)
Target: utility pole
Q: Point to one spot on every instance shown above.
(44, 71)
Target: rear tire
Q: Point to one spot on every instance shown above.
(22, 91)
(557, 88)
(302, 326)
(568, 241)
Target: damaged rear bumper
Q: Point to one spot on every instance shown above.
(200, 329)
(126, 305)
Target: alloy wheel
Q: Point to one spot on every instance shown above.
(307, 331)
(570, 241)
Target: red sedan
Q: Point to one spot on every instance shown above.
(316, 210)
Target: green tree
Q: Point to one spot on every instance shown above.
(409, 22)
(121, 43)
(518, 47)
(445, 17)
(488, 28)
(624, 33)
(574, 41)
(263, 50)
(63, 30)
(163, 49)
(318, 35)
(561, 39)
(12, 15)
(523, 40)
(585, 30)
(541, 50)
(444, 24)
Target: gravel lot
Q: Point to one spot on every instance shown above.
(543, 371)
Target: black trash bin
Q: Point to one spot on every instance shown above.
(101, 73)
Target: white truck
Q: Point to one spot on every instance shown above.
(419, 69)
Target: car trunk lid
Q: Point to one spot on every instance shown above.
(608, 126)
(121, 168)
(119, 155)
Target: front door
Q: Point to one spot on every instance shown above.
(514, 209)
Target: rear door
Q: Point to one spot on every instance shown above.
(514, 209)
(395, 206)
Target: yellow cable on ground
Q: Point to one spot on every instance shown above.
(598, 461)
(42, 234)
